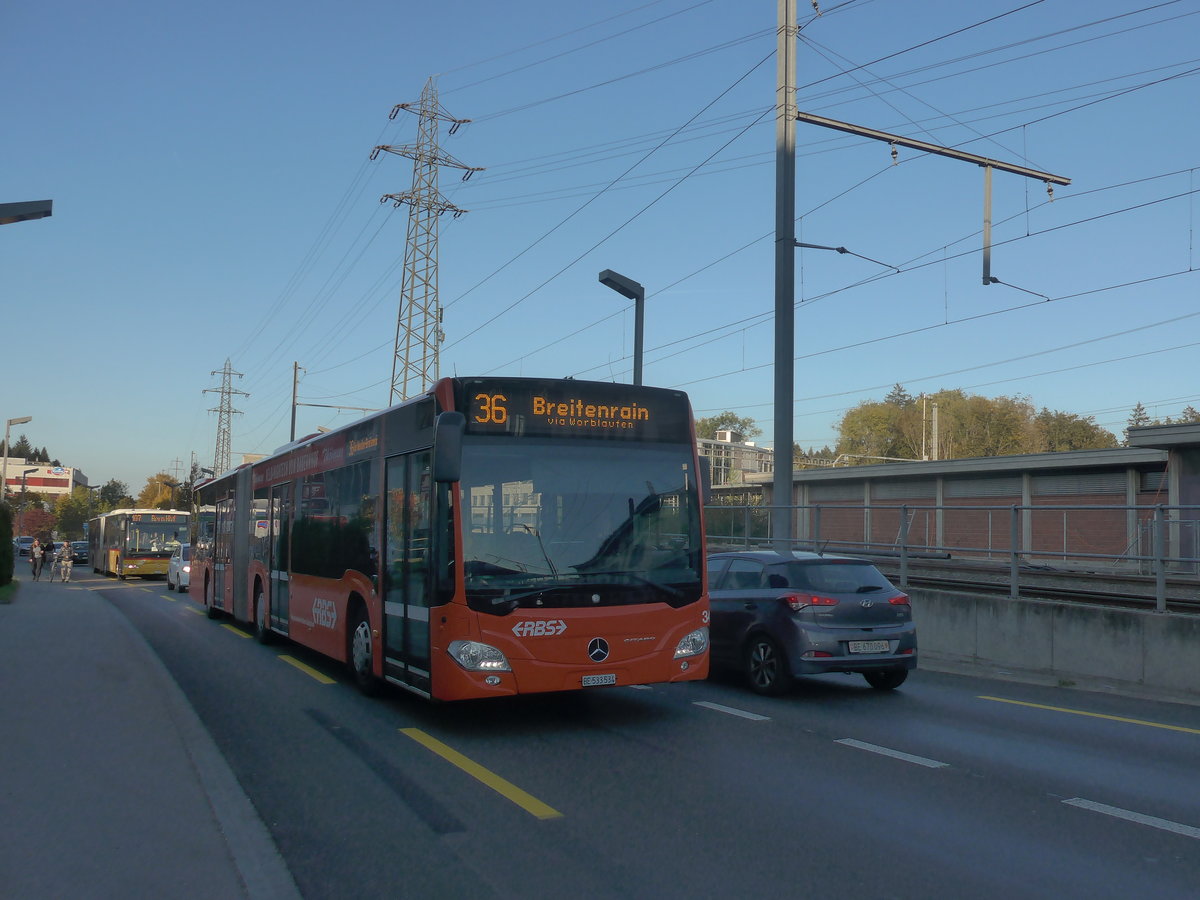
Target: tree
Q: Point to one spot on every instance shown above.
(1189, 414)
(114, 495)
(1059, 431)
(870, 429)
(159, 492)
(36, 521)
(709, 426)
(968, 425)
(898, 396)
(72, 511)
(21, 449)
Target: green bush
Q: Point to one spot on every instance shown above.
(6, 552)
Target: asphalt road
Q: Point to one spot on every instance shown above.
(951, 786)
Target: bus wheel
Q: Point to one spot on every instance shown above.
(262, 633)
(360, 654)
(209, 609)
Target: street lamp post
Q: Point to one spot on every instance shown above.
(21, 508)
(627, 287)
(20, 420)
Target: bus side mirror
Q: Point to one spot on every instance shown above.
(448, 431)
(705, 480)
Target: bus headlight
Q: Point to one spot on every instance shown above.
(477, 657)
(692, 644)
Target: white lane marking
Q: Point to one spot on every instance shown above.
(754, 717)
(641, 687)
(894, 754)
(1141, 819)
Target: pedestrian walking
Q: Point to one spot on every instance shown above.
(66, 558)
(36, 557)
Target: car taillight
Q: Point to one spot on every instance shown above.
(899, 600)
(797, 602)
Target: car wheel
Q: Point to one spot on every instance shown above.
(360, 654)
(886, 679)
(170, 587)
(766, 666)
(262, 633)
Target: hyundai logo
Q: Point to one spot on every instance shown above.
(867, 604)
(598, 650)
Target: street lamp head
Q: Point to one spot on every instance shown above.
(20, 420)
(626, 287)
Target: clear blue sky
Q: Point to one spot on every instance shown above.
(213, 199)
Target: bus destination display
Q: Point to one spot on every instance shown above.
(536, 408)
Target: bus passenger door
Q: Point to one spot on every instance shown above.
(406, 569)
(280, 514)
(221, 552)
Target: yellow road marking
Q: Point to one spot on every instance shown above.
(235, 630)
(168, 597)
(195, 610)
(1093, 715)
(506, 789)
(307, 670)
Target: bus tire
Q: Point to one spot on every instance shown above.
(209, 609)
(359, 658)
(262, 632)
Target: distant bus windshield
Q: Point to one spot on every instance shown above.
(155, 534)
(578, 523)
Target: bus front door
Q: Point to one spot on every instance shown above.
(406, 570)
(280, 542)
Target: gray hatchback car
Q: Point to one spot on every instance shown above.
(779, 615)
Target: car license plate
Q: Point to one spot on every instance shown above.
(869, 646)
(594, 680)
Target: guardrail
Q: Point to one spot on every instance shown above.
(1159, 541)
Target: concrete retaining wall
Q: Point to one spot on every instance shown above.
(1155, 652)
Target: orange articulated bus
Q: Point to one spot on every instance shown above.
(494, 536)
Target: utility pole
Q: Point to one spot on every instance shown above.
(785, 272)
(295, 385)
(225, 413)
(419, 335)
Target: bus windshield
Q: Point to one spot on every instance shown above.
(555, 524)
(155, 536)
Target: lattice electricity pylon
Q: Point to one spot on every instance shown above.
(225, 413)
(419, 333)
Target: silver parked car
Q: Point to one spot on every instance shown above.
(779, 615)
(179, 568)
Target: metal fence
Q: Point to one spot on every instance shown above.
(1159, 541)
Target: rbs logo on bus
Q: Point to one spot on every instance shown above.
(324, 613)
(539, 628)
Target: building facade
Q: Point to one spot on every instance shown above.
(49, 481)
(732, 459)
(1086, 504)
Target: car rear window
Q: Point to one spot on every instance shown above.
(830, 577)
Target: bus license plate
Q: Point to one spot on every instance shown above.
(594, 680)
(869, 646)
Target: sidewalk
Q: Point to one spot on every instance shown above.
(109, 784)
